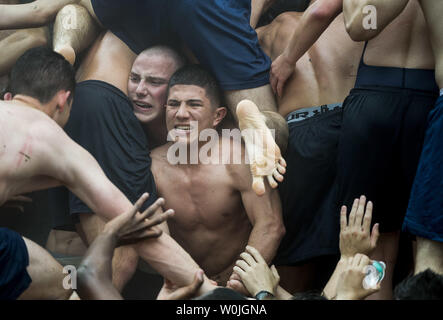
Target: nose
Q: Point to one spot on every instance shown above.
(182, 111)
(142, 90)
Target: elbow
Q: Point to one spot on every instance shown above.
(357, 32)
(325, 11)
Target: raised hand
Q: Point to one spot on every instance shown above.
(132, 226)
(355, 234)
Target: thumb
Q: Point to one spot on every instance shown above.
(374, 235)
(275, 272)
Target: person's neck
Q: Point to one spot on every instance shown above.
(156, 133)
(193, 160)
(28, 101)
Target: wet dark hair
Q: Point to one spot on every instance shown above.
(195, 74)
(308, 295)
(426, 285)
(40, 73)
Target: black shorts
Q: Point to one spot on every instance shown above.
(14, 259)
(216, 31)
(102, 121)
(380, 144)
(312, 228)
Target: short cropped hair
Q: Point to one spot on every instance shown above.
(196, 75)
(167, 51)
(426, 285)
(40, 73)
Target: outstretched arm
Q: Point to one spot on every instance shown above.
(258, 7)
(355, 13)
(314, 22)
(30, 15)
(74, 167)
(95, 270)
(13, 46)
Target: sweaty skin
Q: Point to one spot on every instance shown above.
(216, 210)
(325, 74)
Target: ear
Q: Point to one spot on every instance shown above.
(219, 115)
(62, 98)
(7, 96)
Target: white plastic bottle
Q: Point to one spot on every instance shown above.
(374, 274)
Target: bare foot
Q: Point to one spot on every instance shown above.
(264, 154)
(68, 52)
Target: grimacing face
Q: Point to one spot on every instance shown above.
(147, 85)
(189, 112)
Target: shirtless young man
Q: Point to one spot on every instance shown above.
(242, 70)
(217, 212)
(36, 154)
(103, 112)
(311, 103)
(396, 67)
(147, 89)
(424, 217)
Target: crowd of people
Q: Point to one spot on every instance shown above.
(241, 148)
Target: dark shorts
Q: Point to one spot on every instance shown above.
(380, 144)
(14, 258)
(216, 31)
(424, 217)
(312, 227)
(102, 121)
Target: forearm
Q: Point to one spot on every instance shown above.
(380, 12)
(171, 261)
(30, 15)
(265, 237)
(95, 270)
(314, 22)
(282, 294)
(13, 46)
(330, 290)
(258, 7)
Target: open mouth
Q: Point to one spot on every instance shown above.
(183, 128)
(143, 106)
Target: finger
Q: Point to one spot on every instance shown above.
(282, 161)
(242, 264)
(189, 291)
(258, 185)
(255, 254)
(368, 217)
(139, 235)
(235, 285)
(343, 222)
(360, 211)
(374, 235)
(273, 81)
(151, 209)
(272, 182)
(356, 260)
(248, 258)
(234, 276)
(149, 223)
(138, 204)
(280, 168)
(239, 272)
(351, 220)
(280, 85)
(275, 273)
(277, 175)
(364, 261)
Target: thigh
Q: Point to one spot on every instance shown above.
(46, 274)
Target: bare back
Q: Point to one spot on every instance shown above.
(404, 43)
(109, 60)
(21, 149)
(433, 11)
(325, 74)
(210, 222)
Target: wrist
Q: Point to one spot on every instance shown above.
(264, 295)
